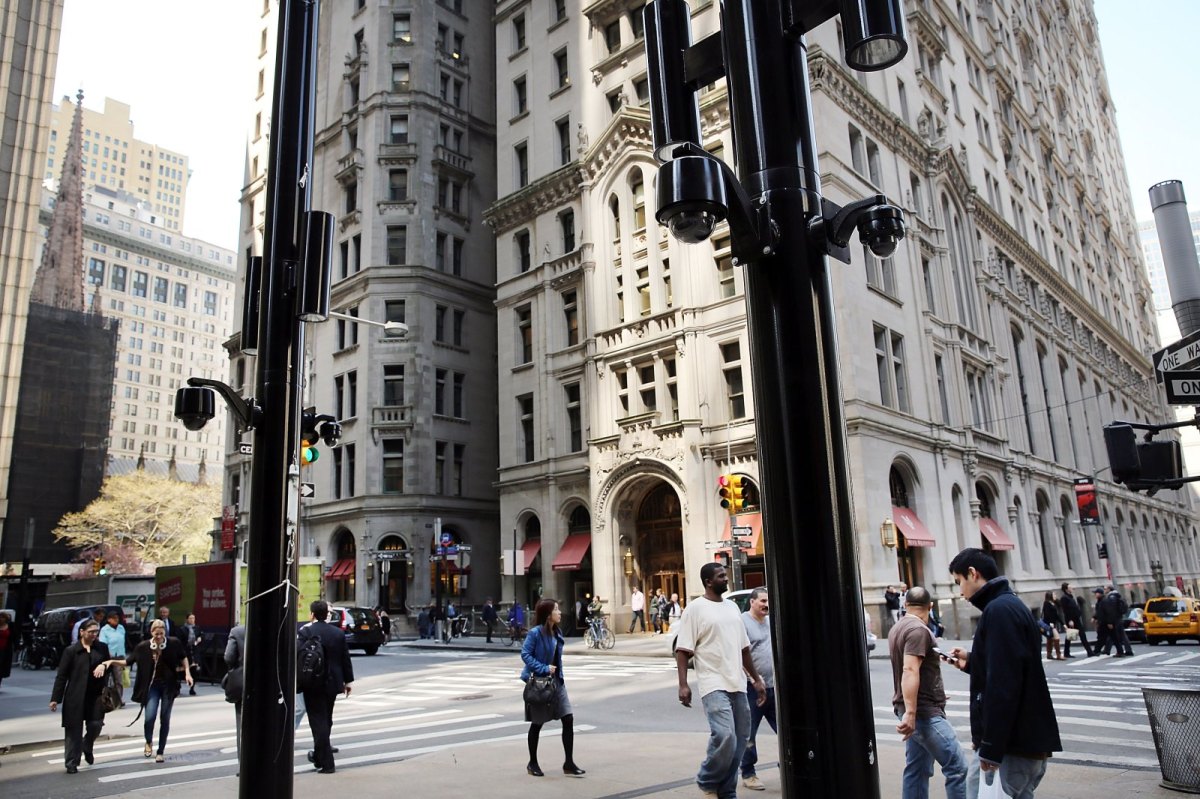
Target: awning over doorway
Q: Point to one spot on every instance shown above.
(995, 535)
(574, 549)
(751, 520)
(915, 533)
(531, 548)
(342, 570)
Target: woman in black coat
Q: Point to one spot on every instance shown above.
(1053, 618)
(161, 661)
(77, 686)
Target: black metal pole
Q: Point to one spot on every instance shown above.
(826, 721)
(267, 753)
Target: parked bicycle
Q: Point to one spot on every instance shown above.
(42, 653)
(514, 634)
(597, 635)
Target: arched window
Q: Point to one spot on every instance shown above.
(614, 207)
(1023, 385)
(638, 189)
(961, 269)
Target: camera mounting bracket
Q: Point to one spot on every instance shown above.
(247, 412)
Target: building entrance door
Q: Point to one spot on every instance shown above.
(660, 543)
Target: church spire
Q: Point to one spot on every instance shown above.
(59, 280)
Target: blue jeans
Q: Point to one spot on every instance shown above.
(934, 740)
(160, 696)
(1019, 776)
(729, 727)
(757, 714)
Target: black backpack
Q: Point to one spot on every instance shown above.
(310, 663)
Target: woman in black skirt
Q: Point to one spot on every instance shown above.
(542, 654)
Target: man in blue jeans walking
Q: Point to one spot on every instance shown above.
(711, 632)
(758, 630)
(920, 703)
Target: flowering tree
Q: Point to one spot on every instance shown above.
(140, 518)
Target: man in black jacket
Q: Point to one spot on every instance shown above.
(77, 686)
(1073, 617)
(1013, 727)
(339, 673)
(1114, 608)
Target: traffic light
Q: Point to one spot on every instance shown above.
(96, 565)
(1142, 465)
(103, 566)
(737, 497)
(308, 450)
(723, 491)
(316, 427)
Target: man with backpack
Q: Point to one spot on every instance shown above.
(1111, 611)
(323, 670)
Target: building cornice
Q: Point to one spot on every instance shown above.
(546, 193)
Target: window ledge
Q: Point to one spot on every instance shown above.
(885, 295)
(523, 367)
(561, 89)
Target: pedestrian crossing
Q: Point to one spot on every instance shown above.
(1099, 706)
(363, 733)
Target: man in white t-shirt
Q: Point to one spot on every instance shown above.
(638, 604)
(711, 633)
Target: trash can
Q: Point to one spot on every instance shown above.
(1175, 722)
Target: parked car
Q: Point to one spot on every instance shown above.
(1135, 629)
(361, 627)
(1170, 618)
(742, 600)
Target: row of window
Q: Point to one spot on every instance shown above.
(449, 468)
(140, 286)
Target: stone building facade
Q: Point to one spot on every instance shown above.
(979, 363)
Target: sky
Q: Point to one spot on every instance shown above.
(187, 71)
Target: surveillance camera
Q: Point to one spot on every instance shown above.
(195, 406)
(880, 228)
(691, 197)
(330, 432)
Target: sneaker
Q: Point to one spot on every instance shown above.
(753, 783)
(709, 794)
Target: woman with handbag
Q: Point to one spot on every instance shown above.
(545, 692)
(1053, 620)
(160, 663)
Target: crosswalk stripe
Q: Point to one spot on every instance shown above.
(373, 758)
(1062, 720)
(1180, 659)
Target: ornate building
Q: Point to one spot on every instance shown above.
(404, 158)
(979, 363)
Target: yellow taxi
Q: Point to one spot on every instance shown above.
(1170, 618)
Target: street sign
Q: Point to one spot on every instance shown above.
(308, 489)
(245, 449)
(1183, 388)
(1180, 355)
(716, 545)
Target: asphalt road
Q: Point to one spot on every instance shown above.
(407, 700)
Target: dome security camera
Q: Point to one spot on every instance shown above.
(881, 227)
(195, 406)
(691, 197)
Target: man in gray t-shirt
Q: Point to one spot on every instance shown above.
(758, 630)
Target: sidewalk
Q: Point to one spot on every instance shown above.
(652, 765)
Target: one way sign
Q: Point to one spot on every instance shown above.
(1183, 388)
(308, 489)
(1180, 355)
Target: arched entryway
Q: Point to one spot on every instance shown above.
(339, 580)
(659, 545)
(910, 562)
(395, 570)
(448, 574)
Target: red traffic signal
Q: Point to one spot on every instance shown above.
(723, 491)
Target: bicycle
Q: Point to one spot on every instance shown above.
(514, 633)
(597, 635)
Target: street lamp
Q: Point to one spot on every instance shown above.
(781, 229)
(887, 533)
(390, 329)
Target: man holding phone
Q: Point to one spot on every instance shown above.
(920, 703)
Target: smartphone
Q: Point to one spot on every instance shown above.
(944, 656)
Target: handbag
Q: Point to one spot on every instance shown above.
(233, 683)
(1072, 634)
(541, 689)
(110, 696)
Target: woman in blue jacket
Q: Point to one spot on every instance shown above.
(542, 654)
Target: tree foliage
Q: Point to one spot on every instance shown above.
(151, 519)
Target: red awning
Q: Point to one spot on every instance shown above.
(531, 549)
(995, 535)
(915, 533)
(342, 570)
(751, 520)
(570, 557)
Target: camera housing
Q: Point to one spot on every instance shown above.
(691, 197)
(195, 407)
(881, 227)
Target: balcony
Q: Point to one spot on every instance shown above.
(459, 162)
(391, 419)
(399, 152)
(349, 166)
